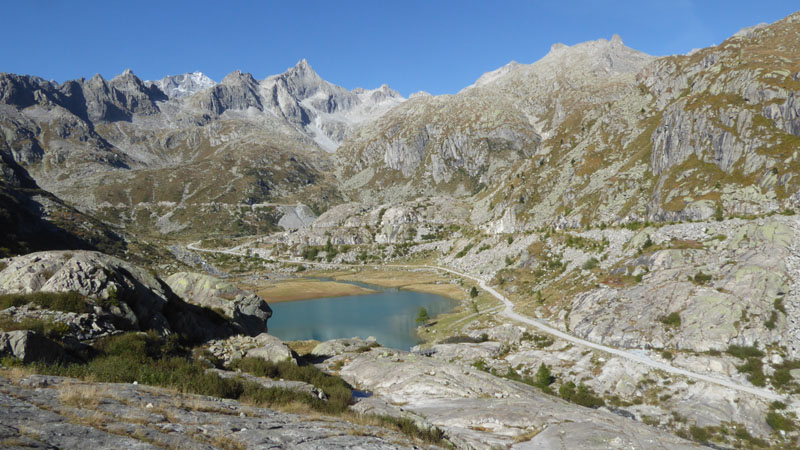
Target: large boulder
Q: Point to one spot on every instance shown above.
(29, 346)
(248, 311)
(270, 348)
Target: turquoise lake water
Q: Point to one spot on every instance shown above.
(389, 315)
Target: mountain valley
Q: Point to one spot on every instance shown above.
(621, 233)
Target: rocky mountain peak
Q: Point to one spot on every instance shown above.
(184, 85)
(488, 77)
(303, 69)
(238, 77)
(599, 55)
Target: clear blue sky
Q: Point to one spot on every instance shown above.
(436, 46)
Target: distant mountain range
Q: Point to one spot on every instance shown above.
(596, 132)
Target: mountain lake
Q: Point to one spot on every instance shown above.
(389, 315)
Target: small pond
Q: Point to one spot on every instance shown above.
(389, 315)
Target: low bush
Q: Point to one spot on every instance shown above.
(772, 321)
(701, 278)
(754, 370)
(590, 264)
(744, 352)
(699, 434)
(672, 319)
(779, 422)
(464, 251)
(581, 395)
(48, 328)
(461, 339)
(367, 347)
(338, 391)
(56, 301)
(148, 359)
(409, 427)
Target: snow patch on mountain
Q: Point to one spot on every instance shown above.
(184, 85)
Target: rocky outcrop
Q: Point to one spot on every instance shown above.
(29, 346)
(478, 410)
(249, 311)
(731, 281)
(127, 296)
(296, 217)
(56, 412)
(263, 346)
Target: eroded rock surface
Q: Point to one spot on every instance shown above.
(249, 311)
(53, 412)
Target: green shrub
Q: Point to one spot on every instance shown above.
(464, 251)
(718, 213)
(149, 359)
(754, 370)
(409, 427)
(772, 321)
(567, 391)
(480, 365)
(744, 352)
(672, 319)
(53, 330)
(744, 435)
(586, 397)
(777, 405)
(338, 391)
(581, 395)
(510, 240)
(699, 434)
(781, 377)
(473, 292)
(667, 355)
(461, 339)
(590, 264)
(543, 377)
(111, 300)
(56, 301)
(778, 422)
(367, 347)
(701, 278)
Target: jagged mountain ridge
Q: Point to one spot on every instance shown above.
(323, 111)
(464, 141)
(123, 146)
(598, 132)
(596, 108)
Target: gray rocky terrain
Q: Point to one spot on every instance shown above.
(54, 412)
